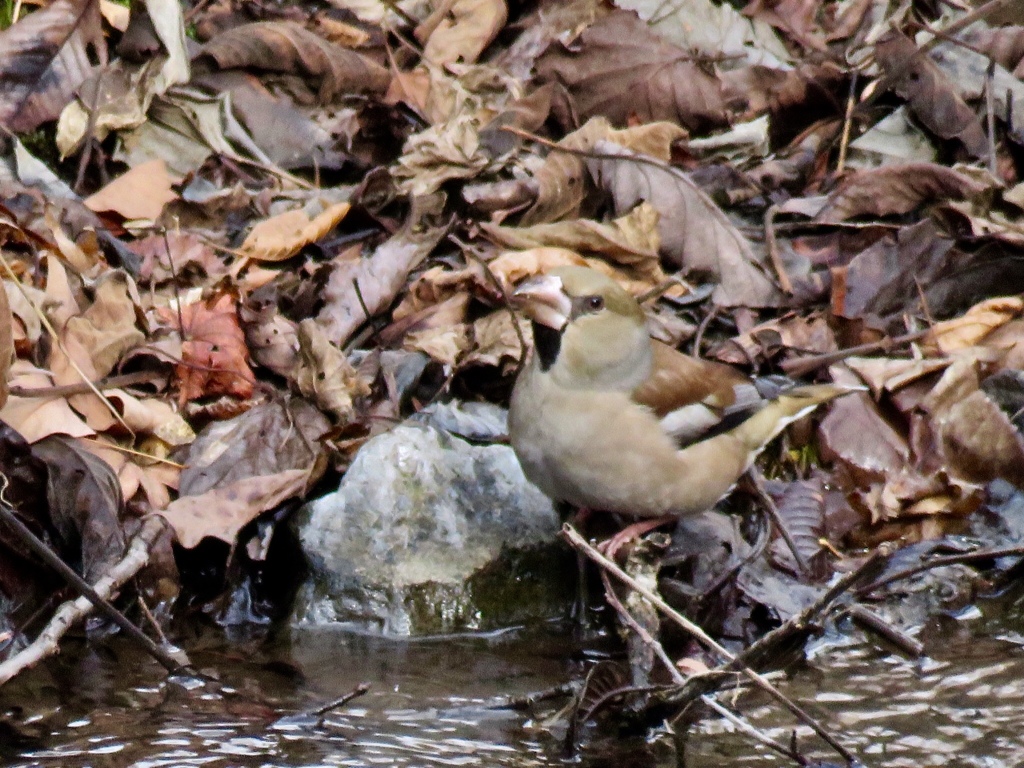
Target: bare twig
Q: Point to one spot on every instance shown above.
(85, 589)
(804, 365)
(938, 562)
(773, 250)
(573, 537)
(341, 701)
(844, 141)
(677, 677)
(982, 12)
(110, 382)
(872, 622)
(990, 118)
(46, 643)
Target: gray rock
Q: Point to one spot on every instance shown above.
(430, 534)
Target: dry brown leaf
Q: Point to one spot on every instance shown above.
(281, 237)
(1004, 45)
(44, 58)
(622, 70)
(695, 234)
(155, 480)
(139, 193)
(106, 330)
(6, 344)
(495, 341)
(460, 30)
(359, 289)
(325, 375)
(285, 46)
(980, 443)
(631, 240)
(897, 189)
(854, 433)
(214, 356)
(445, 344)
(891, 374)
(272, 339)
(37, 417)
(222, 512)
(932, 98)
(171, 255)
(512, 266)
(562, 179)
(979, 321)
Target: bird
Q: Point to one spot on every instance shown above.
(606, 418)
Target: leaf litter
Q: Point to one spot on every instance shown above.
(306, 227)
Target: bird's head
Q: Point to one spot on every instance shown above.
(588, 331)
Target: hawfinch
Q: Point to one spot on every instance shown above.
(606, 418)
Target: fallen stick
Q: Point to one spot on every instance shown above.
(573, 537)
(91, 596)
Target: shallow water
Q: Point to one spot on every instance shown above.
(430, 704)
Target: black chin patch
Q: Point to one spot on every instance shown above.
(546, 343)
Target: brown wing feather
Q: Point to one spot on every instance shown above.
(678, 380)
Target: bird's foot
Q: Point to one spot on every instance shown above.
(610, 547)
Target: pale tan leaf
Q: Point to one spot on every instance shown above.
(38, 417)
(6, 345)
(281, 237)
(460, 30)
(971, 328)
(140, 193)
(325, 375)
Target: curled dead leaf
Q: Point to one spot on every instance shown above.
(325, 375)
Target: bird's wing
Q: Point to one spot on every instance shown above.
(694, 398)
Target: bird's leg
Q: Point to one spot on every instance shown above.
(611, 546)
(579, 608)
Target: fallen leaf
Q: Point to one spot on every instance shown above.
(281, 237)
(695, 234)
(356, 290)
(460, 30)
(285, 46)
(896, 189)
(267, 439)
(214, 358)
(932, 98)
(44, 58)
(324, 374)
(85, 505)
(618, 68)
(36, 417)
(970, 329)
(222, 512)
(6, 345)
(140, 193)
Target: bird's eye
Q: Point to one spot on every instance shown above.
(595, 303)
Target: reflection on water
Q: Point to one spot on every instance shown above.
(429, 705)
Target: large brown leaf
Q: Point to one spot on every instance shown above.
(43, 60)
(695, 234)
(932, 97)
(360, 288)
(620, 69)
(896, 189)
(284, 46)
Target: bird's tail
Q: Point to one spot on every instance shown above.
(787, 407)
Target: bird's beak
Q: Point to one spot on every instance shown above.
(544, 301)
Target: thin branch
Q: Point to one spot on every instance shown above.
(573, 537)
(46, 643)
(87, 591)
